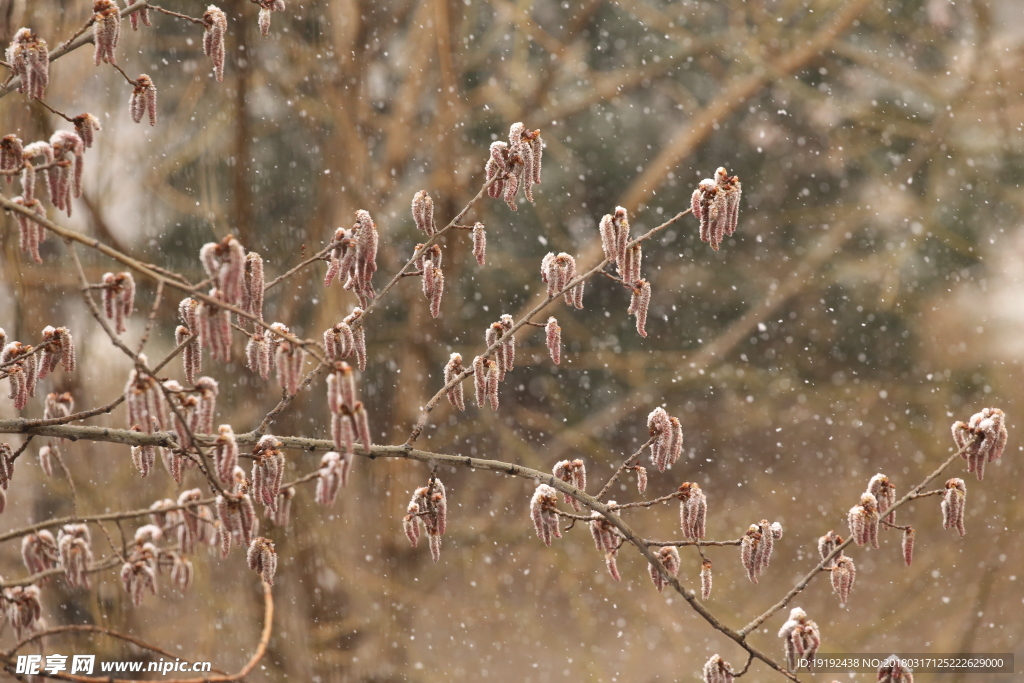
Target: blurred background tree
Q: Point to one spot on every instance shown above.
(869, 298)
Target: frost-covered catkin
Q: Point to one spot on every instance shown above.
(844, 573)
(267, 7)
(801, 638)
(982, 439)
(716, 204)
(118, 298)
(666, 438)
(145, 401)
(515, 165)
(75, 554)
(216, 23)
(669, 556)
(607, 540)
(717, 670)
(553, 338)
(24, 610)
(280, 514)
(288, 361)
(693, 510)
(863, 520)
(267, 470)
(143, 457)
(253, 284)
(574, 473)
(106, 30)
(705, 579)
(423, 212)
(893, 671)
(542, 511)
(29, 60)
(86, 126)
(427, 509)
(262, 558)
(143, 100)
(885, 493)
(453, 371)
(332, 476)
(225, 453)
(639, 304)
(202, 419)
(907, 545)
(826, 544)
(59, 349)
(953, 504)
(30, 233)
(135, 17)
(480, 244)
(39, 551)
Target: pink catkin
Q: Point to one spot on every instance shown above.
(480, 244)
(216, 23)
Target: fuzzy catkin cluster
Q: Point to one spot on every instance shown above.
(842, 568)
(267, 470)
(982, 439)
(143, 100)
(238, 521)
(543, 507)
(558, 272)
(39, 551)
(607, 539)
(863, 519)
(574, 473)
(118, 298)
(73, 544)
(349, 419)
(666, 438)
(800, 636)
(58, 348)
(262, 558)
(267, 7)
(141, 15)
(106, 30)
(138, 573)
(216, 23)
(332, 476)
(717, 670)
(953, 504)
(353, 259)
(428, 261)
(693, 510)
(29, 60)
(453, 371)
(716, 204)
(669, 556)
(756, 547)
(515, 165)
(427, 509)
(24, 610)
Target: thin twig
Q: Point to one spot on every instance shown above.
(179, 16)
(626, 464)
(152, 317)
